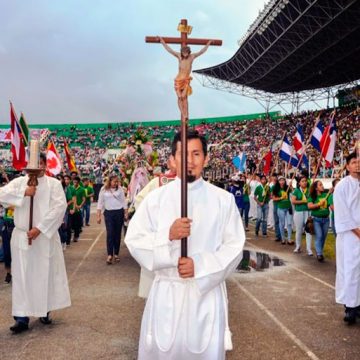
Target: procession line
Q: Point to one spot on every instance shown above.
(301, 271)
(290, 334)
(86, 255)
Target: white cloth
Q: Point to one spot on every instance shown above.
(111, 199)
(253, 205)
(347, 217)
(300, 218)
(271, 220)
(39, 280)
(148, 188)
(186, 318)
(146, 277)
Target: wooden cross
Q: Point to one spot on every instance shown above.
(184, 29)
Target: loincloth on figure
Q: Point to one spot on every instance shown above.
(183, 84)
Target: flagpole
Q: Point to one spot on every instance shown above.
(220, 145)
(288, 163)
(327, 136)
(256, 169)
(304, 148)
(277, 155)
(22, 130)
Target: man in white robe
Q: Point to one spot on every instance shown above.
(186, 314)
(347, 224)
(38, 270)
(147, 277)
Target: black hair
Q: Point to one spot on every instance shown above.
(191, 134)
(67, 176)
(313, 189)
(302, 176)
(77, 178)
(262, 176)
(350, 157)
(277, 188)
(334, 182)
(43, 157)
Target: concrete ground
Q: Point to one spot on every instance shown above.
(285, 313)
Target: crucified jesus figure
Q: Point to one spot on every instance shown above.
(183, 78)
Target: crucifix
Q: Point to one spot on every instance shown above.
(183, 90)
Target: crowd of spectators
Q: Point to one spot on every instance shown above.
(226, 139)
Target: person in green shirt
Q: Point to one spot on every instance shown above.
(318, 204)
(281, 194)
(262, 198)
(299, 199)
(70, 199)
(89, 195)
(79, 203)
(331, 205)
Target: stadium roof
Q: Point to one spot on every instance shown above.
(295, 45)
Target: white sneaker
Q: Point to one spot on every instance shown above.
(310, 253)
(64, 246)
(297, 250)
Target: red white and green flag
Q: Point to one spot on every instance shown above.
(17, 142)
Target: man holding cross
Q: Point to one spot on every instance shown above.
(186, 314)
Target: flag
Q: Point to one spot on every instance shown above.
(24, 129)
(53, 162)
(328, 141)
(5, 135)
(267, 165)
(69, 158)
(240, 161)
(17, 142)
(317, 135)
(287, 153)
(298, 143)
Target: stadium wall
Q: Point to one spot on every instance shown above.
(274, 115)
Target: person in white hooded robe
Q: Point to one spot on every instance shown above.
(39, 277)
(347, 224)
(186, 314)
